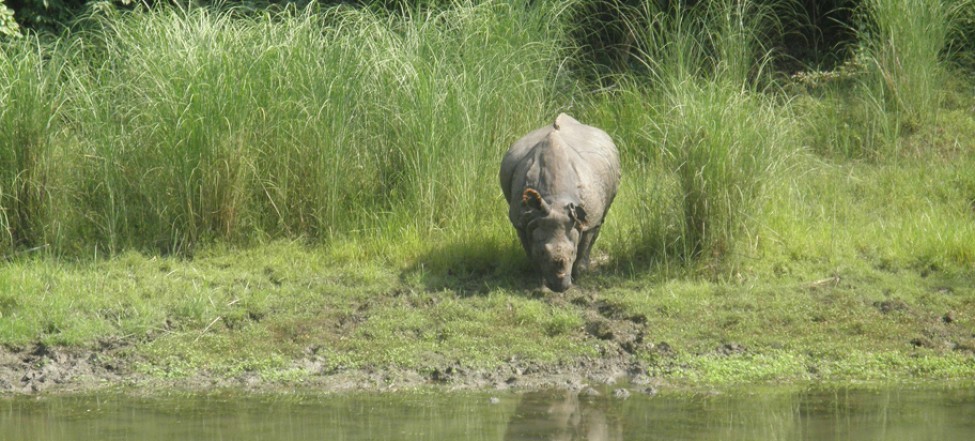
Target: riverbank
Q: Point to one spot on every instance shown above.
(201, 198)
(284, 315)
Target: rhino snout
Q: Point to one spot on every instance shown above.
(559, 282)
(559, 285)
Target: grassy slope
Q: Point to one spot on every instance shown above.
(847, 318)
(836, 294)
(807, 233)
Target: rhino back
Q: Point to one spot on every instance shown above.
(597, 164)
(517, 158)
(566, 160)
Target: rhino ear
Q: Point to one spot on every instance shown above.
(532, 199)
(578, 214)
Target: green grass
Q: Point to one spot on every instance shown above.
(32, 94)
(254, 309)
(903, 42)
(894, 83)
(704, 132)
(230, 192)
(271, 310)
(179, 128)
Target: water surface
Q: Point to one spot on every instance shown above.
(942, 414)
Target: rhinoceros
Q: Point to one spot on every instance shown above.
(559, 181)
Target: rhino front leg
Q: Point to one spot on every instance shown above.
(582, 255)
(523, 237)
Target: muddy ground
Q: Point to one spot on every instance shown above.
(625, 340)
(39, 368)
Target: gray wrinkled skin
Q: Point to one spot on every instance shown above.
(559, 182)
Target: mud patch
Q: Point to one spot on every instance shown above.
(731, 349)
(622, 341)
(889, 306)
(41, 368)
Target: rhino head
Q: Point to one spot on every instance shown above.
(553, 232)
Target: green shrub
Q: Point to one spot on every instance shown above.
(8, 26)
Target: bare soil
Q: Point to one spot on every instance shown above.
(625, 340)
(44, 369)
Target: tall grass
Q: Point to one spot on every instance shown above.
(895, 82)
(199, 125)
(904, 42)
(166, 129)
(31, 94)
(208, 127)
(712, 125)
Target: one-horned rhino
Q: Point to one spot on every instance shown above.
(559, 181)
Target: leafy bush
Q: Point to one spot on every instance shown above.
(8, 26)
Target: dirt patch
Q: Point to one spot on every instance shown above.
(41, 368)
(621, 339)
(32, 371)
(731, 349)
(889, 306)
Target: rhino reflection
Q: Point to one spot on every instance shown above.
(563, 417)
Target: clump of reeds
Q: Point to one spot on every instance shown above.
(712, 126)
(31, 94)
(895, 81)
(198, 125)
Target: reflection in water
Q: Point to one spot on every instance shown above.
(563, 417)
(838, 414)
(835, 414)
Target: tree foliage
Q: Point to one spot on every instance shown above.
(8, 26)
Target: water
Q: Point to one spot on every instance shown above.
(837, 414)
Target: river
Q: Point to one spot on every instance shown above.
(891, 414)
